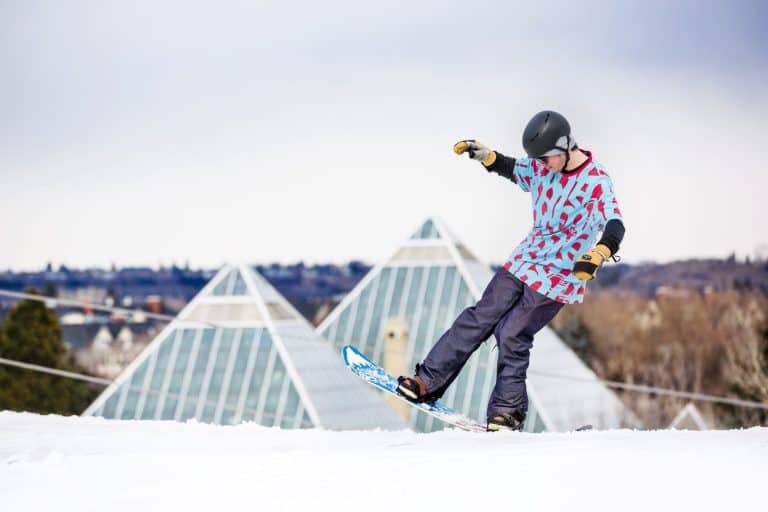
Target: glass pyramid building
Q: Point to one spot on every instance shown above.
(240, 352)
(427, 282)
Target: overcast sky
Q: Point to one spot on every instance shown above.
(147, 132)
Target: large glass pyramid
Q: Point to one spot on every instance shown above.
(428, 281)
(240, 352)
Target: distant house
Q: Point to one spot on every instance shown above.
(122, 335)
(106, 349)
(689, 418)
(78, 336)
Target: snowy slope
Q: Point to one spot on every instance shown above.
(54, 463)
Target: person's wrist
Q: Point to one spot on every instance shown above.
(604, 251)
(490, 159)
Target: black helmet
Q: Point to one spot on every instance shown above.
(547, 133)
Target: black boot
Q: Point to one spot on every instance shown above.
(412, 388)
(506, 421)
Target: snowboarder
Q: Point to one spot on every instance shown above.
(572, 198)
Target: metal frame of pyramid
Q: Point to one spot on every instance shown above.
(563, 392)
(247, 355)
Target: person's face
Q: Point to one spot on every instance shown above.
(554, 163)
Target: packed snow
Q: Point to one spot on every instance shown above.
(54, 463)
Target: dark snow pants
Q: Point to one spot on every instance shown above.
(513, 313)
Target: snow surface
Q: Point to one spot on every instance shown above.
(56, 463)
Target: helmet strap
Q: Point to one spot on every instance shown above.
(567, 151)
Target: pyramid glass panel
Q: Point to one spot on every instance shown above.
(239, 352)
(233, 284)
(426, 231)
(429, 280)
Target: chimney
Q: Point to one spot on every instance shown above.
(396, 359)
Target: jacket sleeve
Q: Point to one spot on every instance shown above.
(519, 170)
(613, 235)
(608, 208)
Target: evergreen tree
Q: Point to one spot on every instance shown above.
(32, 334)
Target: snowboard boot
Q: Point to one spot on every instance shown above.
(412, 388)
(506, 421)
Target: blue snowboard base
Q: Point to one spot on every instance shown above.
(380, 378)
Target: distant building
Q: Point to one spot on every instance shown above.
(86, 294)
(689, 418)
(79, 335)
(105, 349)
(154, 303)
(240, 352)
(648, 318)
(428, 281)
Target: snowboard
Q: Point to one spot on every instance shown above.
(383, 380)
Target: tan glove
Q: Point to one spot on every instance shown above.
(476, 151)
(587, 266)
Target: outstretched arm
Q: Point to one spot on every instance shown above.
(519, 170)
